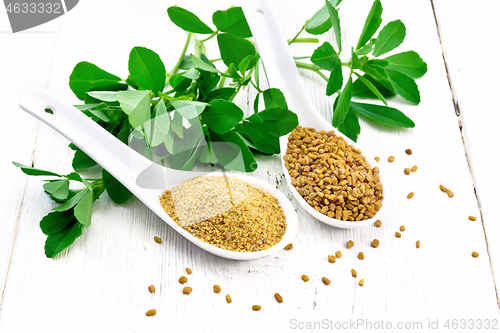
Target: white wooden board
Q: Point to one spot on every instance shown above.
(101, 282)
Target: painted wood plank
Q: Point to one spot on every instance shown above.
(473, 87)
(101, 282)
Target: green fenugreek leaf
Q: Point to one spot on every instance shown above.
(85, 76)
(335, 81)
(325, 57)
(372, 23)
(58, 189)
(273, 97)
(334, 18)
(116, 191)
(405, 86)
(355, 62)
(147, 69)
(390, 37)
(342, 107)
(320, 22)
(383, 114)
(234, 49)
(350, 127)
(372, 88)
(408, 63)
(232, 21)
(35, 172)
(222, 116)
(83, 209)
(55, 243)
(187, 21)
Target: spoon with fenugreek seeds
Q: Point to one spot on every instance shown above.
(329, 175)
(148, 180)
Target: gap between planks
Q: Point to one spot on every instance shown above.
(456, 105)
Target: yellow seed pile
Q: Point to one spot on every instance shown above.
(332, 176)
(256, 222)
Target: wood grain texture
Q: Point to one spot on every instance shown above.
(101, 282)
(473, 89)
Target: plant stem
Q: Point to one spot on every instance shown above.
(304, 40)
(211, 36)
(311, 67)
(297, 35)
(181, 58)
(255, 86)
(223, 78)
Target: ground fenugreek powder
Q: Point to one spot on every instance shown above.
(254, 221)
(332, 176)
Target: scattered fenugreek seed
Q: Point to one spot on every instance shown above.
(187, 290)
(407, 171)
(188, 270)
(289, 247)
(472, 218)
(391, 159)
(228, 299)
(410, 195)
(408, 152)
(354, 273)
(151, 289)
(398, 234)
(361, 256)
(450, 193)
(442, 188)
(475, 254)
(278, 298)
(414, 168)
(377, 158)
(256, 307)
(332, 259)
(378, 224)
(402, 228)
(350, 244)
(305, 278)
(325, 280)
(157, 239)
(417, 244)
(151, 312)
(375, 243)
(217, 289)
(183, 279)
(338, 254)
(362, 282)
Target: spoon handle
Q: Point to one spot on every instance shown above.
(278, 62)
(122, 162)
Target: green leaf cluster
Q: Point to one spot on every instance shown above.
(371, 73)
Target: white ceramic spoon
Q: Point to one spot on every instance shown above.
(131, 168)
(282, 73)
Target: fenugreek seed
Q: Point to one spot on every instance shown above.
(362, 282)
(326, 281)
(361, 256)
(157, 239)
(414, 168)
(378, 224)
(377, 158)
(188, 270)
(305, 278)
(350, 244)
(402, 228)
(407, 171)
(278, 298)
(187, 290)
(354, 273)
(475, 254)
(151, 289)
(338, 254)
(391, 159)
(332, 259)
(442, 188)
(228, 299)
(410, 195)
(151, 312)
(398, 234)
(256, 307)
(408, 152)
(418, 244)
(183, 279)
(375, 243)
(450, 193)
(472, 218)
(217, 289)
(289, 247)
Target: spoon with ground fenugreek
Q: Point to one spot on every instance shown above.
(259, 208)
(329, 175)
